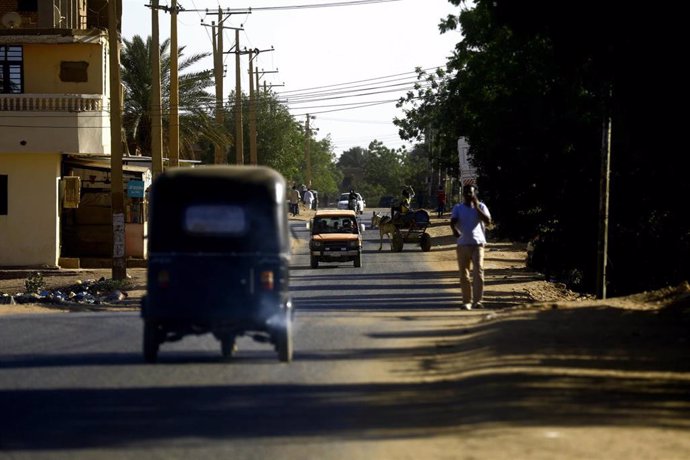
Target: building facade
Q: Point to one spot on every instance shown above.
(54, 106)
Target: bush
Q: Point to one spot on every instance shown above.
(34, 283)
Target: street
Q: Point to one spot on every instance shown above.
(386, 366)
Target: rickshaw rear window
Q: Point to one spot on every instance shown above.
(215, 219)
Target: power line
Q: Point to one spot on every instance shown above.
(344, 90)
(301, 7)
(358, 81)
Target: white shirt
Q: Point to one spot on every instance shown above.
(308, 197)
(469, 225)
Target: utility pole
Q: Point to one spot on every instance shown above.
(307, 153)
(256, 73)
(604, 188)
(267, 87)
(156, 122)
(263, 72)
(252, 111)
(253, 107)
(174, 120)
(239, 136)
(117, 194)
(220, 153)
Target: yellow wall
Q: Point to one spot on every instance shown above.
(42, 68)
(29, 233)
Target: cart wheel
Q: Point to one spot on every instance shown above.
(283, 341)
(228, 347)
(358, 260)
(151, 342)
(425, 242)
(397, 242)
(314, 262)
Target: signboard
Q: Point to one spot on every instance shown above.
(468, 172)
(135, 189)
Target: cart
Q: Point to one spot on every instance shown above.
(411, 228)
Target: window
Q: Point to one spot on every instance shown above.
(4, 193)
(11, 60)
(215, 220)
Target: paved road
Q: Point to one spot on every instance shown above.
(74, 385)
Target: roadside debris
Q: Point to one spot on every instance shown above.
(83, 292)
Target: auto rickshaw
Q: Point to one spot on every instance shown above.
(219, 252)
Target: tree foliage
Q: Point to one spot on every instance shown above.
(195, 102)
(531, 96)
(281, 144)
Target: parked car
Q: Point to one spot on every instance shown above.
(344, 200)
(336, 236)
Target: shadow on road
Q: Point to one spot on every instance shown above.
(589, 366)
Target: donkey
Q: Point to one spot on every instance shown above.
(385, 225)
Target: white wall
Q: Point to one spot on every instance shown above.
(29, 233)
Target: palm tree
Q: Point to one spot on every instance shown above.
(195, 103)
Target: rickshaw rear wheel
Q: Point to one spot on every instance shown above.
(425, 242)
(283, 341)
(151, 342)
(228, 347)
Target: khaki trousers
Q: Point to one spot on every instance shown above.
(471, 256)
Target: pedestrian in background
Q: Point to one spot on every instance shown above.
(308, 199)
(468, 221)
(294, 200)
(440, 201)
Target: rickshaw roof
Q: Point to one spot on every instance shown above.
(211, 180)
(242, 174)
(335, 213)
(250, 197)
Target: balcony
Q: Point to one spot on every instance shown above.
(38, 123)
(51, 102)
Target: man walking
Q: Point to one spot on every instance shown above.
(308, 199)
(467, 221)
(294, 197)
(440, 201)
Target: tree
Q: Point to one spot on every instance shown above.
(383, 171)
(351, 164)
(530, 91)
(281, 142)
(195, 103)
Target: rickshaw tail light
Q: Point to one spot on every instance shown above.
(267, 280)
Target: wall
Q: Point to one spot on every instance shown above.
(42, 68)
(29, 233)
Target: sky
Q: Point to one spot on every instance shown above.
(330, 60)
